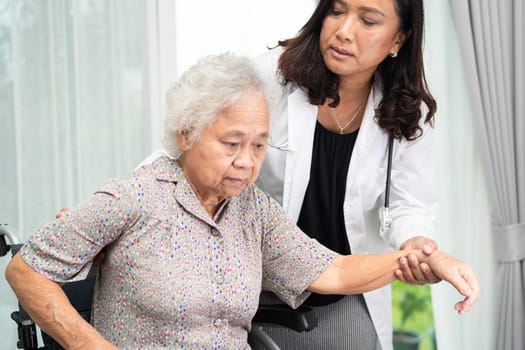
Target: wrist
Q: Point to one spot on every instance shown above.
(435, 256)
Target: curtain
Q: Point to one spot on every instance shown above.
(463, 225)
(73, 108)
(493, 51)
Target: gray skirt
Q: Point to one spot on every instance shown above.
(344, 325)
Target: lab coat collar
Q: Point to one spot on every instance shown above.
(304, 115)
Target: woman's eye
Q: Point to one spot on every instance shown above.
(368, 22)
(335, 12)
(231, 145)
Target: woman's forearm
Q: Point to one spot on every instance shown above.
(359, 273)
(46, 303)
(355, 274)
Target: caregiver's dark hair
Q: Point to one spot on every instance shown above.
(402, 79)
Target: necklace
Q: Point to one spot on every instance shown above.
(342, 128)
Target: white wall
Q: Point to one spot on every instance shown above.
(243, 26)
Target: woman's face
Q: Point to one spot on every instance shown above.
(357, 35)
(229, 154)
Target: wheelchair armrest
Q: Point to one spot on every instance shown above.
(12, 234)
(302, 319)
(15, 248)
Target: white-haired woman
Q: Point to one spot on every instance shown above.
(189, 240)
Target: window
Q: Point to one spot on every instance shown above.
(74, 107)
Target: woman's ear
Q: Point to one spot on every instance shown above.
(182, 140)
(401, 37)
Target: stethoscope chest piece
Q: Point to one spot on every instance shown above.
(385, 219)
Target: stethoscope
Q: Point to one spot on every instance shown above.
(385, 218)
(384, 215)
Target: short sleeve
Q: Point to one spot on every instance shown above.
(292, 261)
(63, 250)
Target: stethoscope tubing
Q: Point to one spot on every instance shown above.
(388, 171)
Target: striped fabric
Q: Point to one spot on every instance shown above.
(344, 325)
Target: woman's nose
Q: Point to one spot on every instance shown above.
(346, 29)
(245, 158)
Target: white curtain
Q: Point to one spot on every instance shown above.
(463, 216)
(493, 49)
(74, 108)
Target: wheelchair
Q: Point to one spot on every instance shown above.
(80, 295)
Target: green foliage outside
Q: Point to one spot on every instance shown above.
(412, 310)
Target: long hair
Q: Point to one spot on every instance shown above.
(402, 79)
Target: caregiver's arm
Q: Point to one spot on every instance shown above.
(353, 274)
(45, 301)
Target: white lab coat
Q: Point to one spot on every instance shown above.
(286, 169)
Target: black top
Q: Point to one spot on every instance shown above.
(321, 215)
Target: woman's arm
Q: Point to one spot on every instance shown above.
(45, 301)
(62, 250)
(352, 274)
(358, 273)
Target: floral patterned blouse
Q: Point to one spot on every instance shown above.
(174, 277)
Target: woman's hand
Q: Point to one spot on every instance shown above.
(412, 271)
(61, 212)
(460, 275)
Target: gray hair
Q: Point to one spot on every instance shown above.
(208, 87)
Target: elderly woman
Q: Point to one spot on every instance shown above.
(190, 240)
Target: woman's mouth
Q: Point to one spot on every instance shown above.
(237, 182)
(340, 52)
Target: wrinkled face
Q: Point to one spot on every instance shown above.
(229, 154)
(357, 35)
